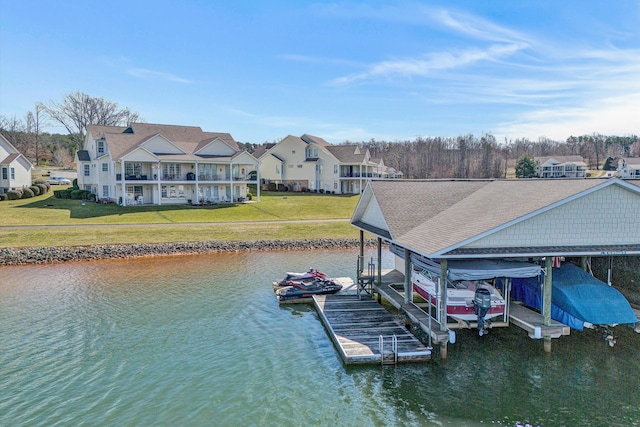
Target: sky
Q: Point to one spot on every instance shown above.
(343, 71)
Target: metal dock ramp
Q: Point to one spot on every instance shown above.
(365, 332)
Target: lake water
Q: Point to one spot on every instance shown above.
(201, 340)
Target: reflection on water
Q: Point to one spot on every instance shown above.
(201, 340)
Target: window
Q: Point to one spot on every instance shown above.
(105, 191)
(88, 188)
(100, 147)
(13, 173)
(300, 166)
(172, 191)
(87, 171)
(105, 167)
(171, 171)
(335, 169)
(133, 169)
(5, 174)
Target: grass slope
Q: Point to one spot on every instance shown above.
(75, 222)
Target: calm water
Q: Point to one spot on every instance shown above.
(201, 340)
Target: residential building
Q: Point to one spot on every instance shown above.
(311, 163)
(164, 164)
(629, 168)
(15, 168)
(561, 167)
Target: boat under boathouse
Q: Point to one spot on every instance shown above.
(445, 225)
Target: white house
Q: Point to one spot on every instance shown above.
(15, 169)
(629, 167)
(311, 163)
(164, 164)
(561, 167)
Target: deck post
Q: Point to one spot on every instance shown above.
(443, 305)
(379, 279)
(546, 300)
(442, 309)
(408, 288)
(362, 244)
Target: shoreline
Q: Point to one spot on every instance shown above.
(61, 254)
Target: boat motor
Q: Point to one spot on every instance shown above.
(481, 305)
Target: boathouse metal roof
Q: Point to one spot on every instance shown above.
(503, 218)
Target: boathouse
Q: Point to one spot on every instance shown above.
(537, 220)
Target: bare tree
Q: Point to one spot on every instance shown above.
(34, 123)
(79, 110)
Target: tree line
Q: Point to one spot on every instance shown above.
(465, 156)
(473, 157)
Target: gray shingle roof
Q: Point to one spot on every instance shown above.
(439, 215)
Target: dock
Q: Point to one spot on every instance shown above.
(365, 332)
(529, 320)
(418, 316)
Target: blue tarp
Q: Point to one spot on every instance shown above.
(577, 297)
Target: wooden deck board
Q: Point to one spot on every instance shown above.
(355, 326)
(533, 322)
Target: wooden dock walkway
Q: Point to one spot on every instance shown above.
(356, 326)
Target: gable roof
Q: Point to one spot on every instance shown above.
(347, 153)
(440, 218)
(13, 154)
(632, 161)
(556, 160)
(310, 139)
(189, 139)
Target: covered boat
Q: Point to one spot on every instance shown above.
(578, 299)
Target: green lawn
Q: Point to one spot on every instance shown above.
(155, 224)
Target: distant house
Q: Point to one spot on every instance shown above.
(629, 168)
(560, 167)
(15, 169)
(164, 164)
(311, 163)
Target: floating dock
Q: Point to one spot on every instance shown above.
(365, 332)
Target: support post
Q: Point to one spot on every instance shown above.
(362, 244)
(442, 315)
(408, 288)
(546, 300)
(379, 279)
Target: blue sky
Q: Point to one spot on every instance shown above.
(339, 70)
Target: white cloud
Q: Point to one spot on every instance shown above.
(617, 115)
(144, 73)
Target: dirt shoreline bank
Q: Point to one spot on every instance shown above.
(51, 255)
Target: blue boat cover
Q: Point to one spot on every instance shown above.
(577, 297)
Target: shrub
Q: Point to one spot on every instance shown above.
(35, 189)
(43, 188)
(14, 194)
(27, 193)
(77, 194)
(62, 194)
(3, 197)
(74, 183)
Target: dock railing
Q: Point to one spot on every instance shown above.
(365, 281)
